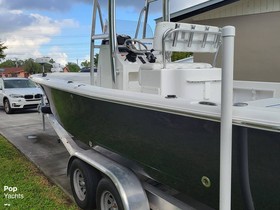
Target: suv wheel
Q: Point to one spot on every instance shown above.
(7, 106)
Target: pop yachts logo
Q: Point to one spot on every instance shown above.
(12, 193)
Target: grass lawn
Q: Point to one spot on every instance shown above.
(24, 187)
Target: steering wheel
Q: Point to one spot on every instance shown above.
(130, 45)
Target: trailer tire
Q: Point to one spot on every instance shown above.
(108, 196)
(84, 180)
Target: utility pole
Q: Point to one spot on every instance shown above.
(16, 62)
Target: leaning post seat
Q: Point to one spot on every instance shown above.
(193, 81)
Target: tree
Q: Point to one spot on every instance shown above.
(19, 63)
(2, 48)
(180, 55)
(12, 63)
(95, 59)
(52, 61)
(48, 67)
(73, 67)
(8, 63)
(85, 63)
(31, 66)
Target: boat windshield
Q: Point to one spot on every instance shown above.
(129, 27)
(19, 83)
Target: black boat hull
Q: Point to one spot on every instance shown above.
(178, 151)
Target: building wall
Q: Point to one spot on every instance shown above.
(241, 7)
(257, 45)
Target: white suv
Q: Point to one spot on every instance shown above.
(19, 93)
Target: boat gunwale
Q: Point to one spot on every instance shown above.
(212, 114)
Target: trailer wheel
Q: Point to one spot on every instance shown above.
(84, 180)
(108, 197)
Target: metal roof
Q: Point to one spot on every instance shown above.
(198, 9)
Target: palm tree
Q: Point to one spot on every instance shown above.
(2, 48)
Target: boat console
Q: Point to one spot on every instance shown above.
(145, 66)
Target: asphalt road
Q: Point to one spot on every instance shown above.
(44, 151)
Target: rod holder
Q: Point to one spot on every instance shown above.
(228, 34)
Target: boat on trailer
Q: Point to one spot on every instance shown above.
(186, 129)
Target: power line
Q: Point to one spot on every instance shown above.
(55, 36)
(53, 44)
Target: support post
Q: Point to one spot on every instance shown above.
(92, 41)
(228, 34)
(166, 10)
(112, 35)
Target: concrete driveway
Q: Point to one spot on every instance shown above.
(44, 151)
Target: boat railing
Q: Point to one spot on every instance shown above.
(144, 10)
(183, 37)
(99, 37)
(96, 10)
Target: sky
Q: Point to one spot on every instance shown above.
(61, 29)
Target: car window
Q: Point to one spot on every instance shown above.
(17, 83)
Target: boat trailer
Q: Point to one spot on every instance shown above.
(135, 194)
